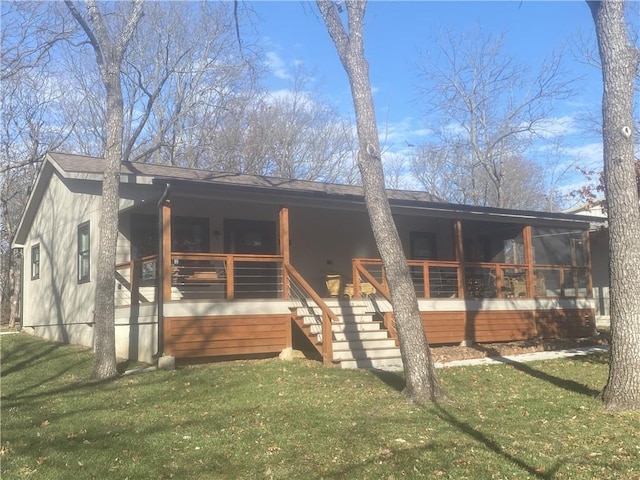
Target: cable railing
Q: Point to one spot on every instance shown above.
(244, 276)
(227, 276)
(202, 276)
(478, 280)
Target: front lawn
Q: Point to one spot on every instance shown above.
(271, 419)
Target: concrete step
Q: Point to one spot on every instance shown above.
(338, 309)
(357, 343)
(343, 319)
(371, 353)
(390, 364)
(358, 339)
(360, 335)
(348, 327)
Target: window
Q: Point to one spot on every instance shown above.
(84, 252)
(423, 245)
(190, 234)
(35, 262)
(553, 246)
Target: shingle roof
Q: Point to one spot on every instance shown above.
(80, 164)
(83, 164)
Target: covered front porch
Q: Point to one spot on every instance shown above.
(247, 276)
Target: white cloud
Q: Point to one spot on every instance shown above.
(556, 126)
(589, 155)
(397, 136)
(277, 66)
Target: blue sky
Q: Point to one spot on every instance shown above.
(396, 32)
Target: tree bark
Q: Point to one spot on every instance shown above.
(109, 56)
(620, 62)
(104, 313)
(421, 380)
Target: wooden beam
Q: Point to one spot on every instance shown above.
(165, 261)
(284, 249)
(528, 259)
(284, 234)
(459, 255)
(587, 252)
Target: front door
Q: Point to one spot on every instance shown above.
(254, 237)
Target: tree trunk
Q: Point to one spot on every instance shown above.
(619, 69)
(421, 380)
(109, 56)
(104, 314)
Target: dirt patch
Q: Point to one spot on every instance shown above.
(456, 352)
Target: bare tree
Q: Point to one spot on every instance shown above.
(175, 90)
(108, 36)
(620, 60)
(395, 171)
(421, 381)
(490, 109)
(290, 134)
(28, 126)
(186, 88)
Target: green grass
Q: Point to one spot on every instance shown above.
(271, 419)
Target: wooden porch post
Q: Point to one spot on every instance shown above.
(134, 281)
(165, 261)
(284, 249)
(469, 317)
(459, 253)
(528, 259)
(587, 252)
(530, 279)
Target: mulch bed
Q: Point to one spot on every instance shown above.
(481, 350)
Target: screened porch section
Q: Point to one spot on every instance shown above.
(529, 262)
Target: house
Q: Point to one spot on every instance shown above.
(222, 265)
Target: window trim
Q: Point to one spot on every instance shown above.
(84, 229)
(35, 262)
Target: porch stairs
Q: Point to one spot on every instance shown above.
(359, 340)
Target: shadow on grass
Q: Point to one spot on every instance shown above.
(397, 381)
(492, 445)
(72, 387)
(594, 359)
(563, 383)
(472, 433)
(40, 359)
(394, 380)
(35, 357)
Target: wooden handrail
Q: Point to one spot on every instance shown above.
(128, 263)
(388, 318)
(377, 285)
(242, 257)
(327, 314)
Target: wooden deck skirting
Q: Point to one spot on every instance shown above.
(235, 335)
(190, 337)
(506, 326)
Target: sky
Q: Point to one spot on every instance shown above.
(398, 33)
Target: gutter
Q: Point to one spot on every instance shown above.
(21, 299)
(159, 275)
